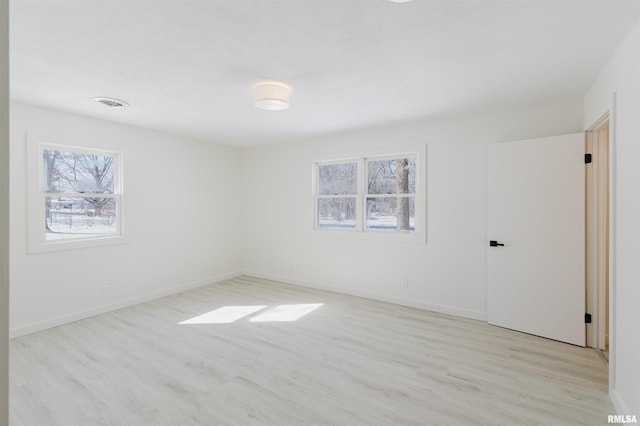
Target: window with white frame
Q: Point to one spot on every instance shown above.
(337, 192)
(390, 194)
(80, 194)
(367, 194)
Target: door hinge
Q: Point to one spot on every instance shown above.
(587, 318)
(587, 158)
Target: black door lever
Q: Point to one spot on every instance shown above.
(494, 243)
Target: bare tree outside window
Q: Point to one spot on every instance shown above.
(387, 195)
(391, 194)
(404, 213)
(337, 190)
(79, 194)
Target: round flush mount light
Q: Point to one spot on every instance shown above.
(272, 95)
(111, 102)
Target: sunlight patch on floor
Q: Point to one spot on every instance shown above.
(285, 313)
(229, 314)
(224, 315)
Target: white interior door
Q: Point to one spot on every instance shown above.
(536, 208)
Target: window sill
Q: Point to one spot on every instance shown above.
(60, 245)
(382, 236)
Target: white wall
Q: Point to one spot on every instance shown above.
(621, 76)
(4, 210)
(180, 217)
(447, 273)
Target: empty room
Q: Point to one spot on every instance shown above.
(319, 212)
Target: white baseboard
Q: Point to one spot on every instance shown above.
(618, 404)
(65, 319)
(443, 309)
(79, 315)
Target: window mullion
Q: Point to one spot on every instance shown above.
(337, 196)
(79, 195)
(361, 203)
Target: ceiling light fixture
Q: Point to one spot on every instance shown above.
(111, 102)
(272, 96)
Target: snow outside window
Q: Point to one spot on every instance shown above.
(79, 198)
(391, 190)
(376, 194)
(336, 195)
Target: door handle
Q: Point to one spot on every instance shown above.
(494, 243)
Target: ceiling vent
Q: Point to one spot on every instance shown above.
(112, 102)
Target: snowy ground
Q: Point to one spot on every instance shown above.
(75, 224)
(376, 223)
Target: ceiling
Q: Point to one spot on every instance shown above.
(187, 67)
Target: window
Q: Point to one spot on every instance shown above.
(375, 194)
(78, 198)
(391, 190)
(337, 192)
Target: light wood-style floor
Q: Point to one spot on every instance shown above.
(349, 362)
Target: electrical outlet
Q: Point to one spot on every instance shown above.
(106, 288)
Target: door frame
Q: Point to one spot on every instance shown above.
(613, 120)
(597, 263)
